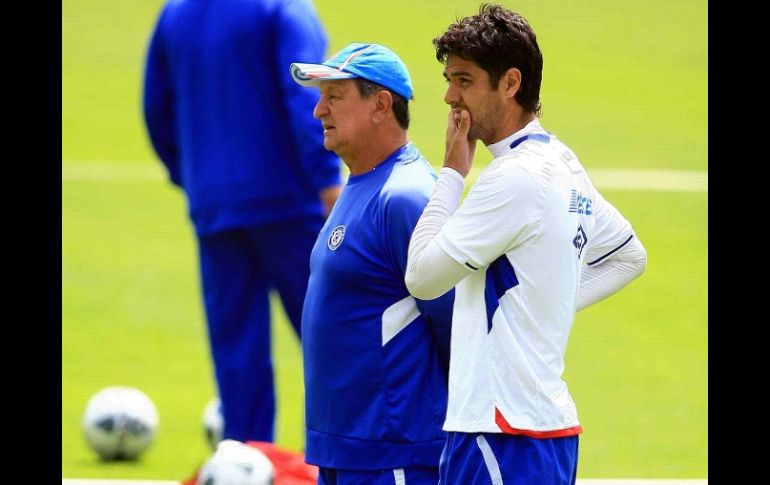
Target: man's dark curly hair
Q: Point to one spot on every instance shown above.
(497, 39)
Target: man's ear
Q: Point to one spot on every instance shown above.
(383, 102)
(510, 82)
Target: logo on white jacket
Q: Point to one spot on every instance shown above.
(336, 237)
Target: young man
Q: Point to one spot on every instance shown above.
(532, 242)
(236, 134)
(375, 358)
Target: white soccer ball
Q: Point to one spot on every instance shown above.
(213, 422)
(235, 463)
(120, 423)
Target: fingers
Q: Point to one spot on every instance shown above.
(451, 117)
(451, 124)
(459, 120)
(459, 149)
(464, 123)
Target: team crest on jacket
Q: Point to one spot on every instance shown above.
(580, 240)
(336, 237)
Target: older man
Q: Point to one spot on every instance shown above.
(375, 358)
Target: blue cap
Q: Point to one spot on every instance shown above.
(368, 61)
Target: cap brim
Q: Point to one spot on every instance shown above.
(313, 74)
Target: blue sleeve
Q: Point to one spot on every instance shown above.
(438, 312)
(300, 37)
(403, 210)
(158, 107)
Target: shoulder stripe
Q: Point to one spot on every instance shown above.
(533, 136)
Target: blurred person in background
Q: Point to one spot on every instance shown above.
(236, 134)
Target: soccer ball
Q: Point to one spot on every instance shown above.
(213, 422)
(120, 423)
(235, 463)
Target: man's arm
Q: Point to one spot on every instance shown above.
(438, 314)
(158, 107)
(430, 271)
(403, 205)
(614, 256)
(604, 277)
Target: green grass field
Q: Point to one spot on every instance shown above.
(625, 85)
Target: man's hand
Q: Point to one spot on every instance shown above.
(329, 197)
(459, 149)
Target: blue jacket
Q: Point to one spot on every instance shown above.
(231, 126)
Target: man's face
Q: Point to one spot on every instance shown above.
(344, 114)
(469, 89)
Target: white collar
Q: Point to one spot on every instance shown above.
(500, 148)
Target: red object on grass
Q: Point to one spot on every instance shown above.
(290, 466)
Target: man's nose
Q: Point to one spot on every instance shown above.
(321, 108)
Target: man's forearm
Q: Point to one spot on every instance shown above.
(430, 272)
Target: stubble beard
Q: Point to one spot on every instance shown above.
(479, 131)
(483, 126)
